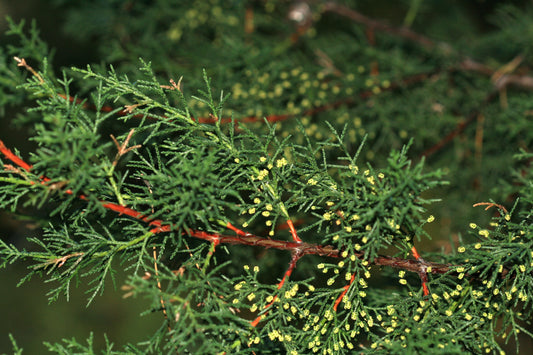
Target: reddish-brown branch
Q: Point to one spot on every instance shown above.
(236, 230)
(59, 262)
(296, 255)
(403, 32)
(346, 288)
(501, 78)
(489, 205)
(297, 247)
(21, 62)
(267, 243)
(365, 94)
(123, 148)
(461, 126)
(422, 272)
(108, 205)
(294, 234)
(245, 238)
(11, 156)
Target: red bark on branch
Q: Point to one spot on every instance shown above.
(244, 238)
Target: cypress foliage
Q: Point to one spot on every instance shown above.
(265, 171)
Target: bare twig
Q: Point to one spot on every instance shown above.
(58, 262)
(22, 63)
(123, 148)
(500, 77)
(403, 32)
(173, 85)
(461, 126)
(489, 205)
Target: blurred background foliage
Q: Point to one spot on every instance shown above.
(312, 61)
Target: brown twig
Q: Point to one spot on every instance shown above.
(403, 32)
(461, 126)
(123, 148)
(296, 255)
(58, 262)
(174, 85)
(13, 157)
(489, 205)
(22, 63)
(345, 290)
(128, 109)
(244, 238)
(500, 77)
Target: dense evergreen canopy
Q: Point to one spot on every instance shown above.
(283, 177)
